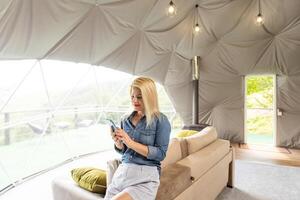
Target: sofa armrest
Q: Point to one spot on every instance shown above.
(175, 178)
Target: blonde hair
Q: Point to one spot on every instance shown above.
(149, 95)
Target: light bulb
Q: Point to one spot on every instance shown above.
(197, 28)
(259, 19)
(171, 9)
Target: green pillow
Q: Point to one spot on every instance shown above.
(186, 133)
(91, 179)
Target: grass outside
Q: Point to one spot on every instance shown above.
(259, 128)
(22, 159)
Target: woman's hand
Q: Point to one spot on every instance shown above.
(130, 143)
(124, 137)
(116, 139)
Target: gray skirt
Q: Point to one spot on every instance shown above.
(139, 181)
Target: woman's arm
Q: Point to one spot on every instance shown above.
(159, 150)
(162, 137)
(138, 147)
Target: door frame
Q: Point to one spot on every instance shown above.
(274, 141)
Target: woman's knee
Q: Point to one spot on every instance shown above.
(122, 196)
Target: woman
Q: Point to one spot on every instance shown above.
(143, 141)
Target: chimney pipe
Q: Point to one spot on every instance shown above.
(195, 77)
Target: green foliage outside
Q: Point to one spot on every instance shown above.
(260, 125)
(259, 92)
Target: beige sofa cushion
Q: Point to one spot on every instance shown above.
(183, 146)
(173, 153)
(112, 166)
(201, 139)
(201, 161)
(174, 180)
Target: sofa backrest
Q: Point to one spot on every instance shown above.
(201, 139)
(184, 147)
(180, 148)
(173, 154)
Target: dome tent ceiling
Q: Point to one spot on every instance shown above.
(137, 37)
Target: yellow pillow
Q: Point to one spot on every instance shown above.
(91, 179)
(186, 133)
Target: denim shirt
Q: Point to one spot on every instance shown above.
(156, 137)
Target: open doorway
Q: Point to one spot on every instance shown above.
(260, 107)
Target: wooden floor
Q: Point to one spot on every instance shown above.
(267, 154)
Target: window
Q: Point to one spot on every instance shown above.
(51, 111)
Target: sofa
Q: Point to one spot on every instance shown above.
(196, 167)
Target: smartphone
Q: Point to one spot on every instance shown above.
(112, 125)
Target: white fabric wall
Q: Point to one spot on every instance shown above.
(137, 37)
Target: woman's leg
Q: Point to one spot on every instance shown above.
(122, 196)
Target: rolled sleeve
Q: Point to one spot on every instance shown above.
(156, 153)
(159, 150)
